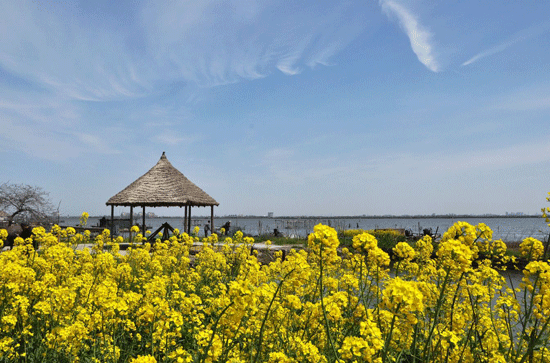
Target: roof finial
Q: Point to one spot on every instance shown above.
(163, 155)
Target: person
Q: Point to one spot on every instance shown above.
(206, 229)
(226, 227)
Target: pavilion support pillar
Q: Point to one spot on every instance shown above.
(185, 220)
(143, 221)
(131, 223)
(189, 221)
(112, 219)
(212, 219)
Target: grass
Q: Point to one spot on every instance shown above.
(282, 241)
(387, 239)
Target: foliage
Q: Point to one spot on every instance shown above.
(296, 241)
(158, 303)
(387, 238)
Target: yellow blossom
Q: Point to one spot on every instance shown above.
(84, 219)
(531, 249)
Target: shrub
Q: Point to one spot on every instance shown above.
(157, 303)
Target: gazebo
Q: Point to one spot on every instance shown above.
(163, 186)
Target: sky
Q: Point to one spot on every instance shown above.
(291, 107)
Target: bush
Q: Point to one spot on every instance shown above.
(156, 303)
(387, 238)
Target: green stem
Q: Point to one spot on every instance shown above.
(329, 336)
(528, 312)
(260, 338)
(437, 309)
(388, 338)
(205, 353)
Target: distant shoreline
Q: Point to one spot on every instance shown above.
(446, 216)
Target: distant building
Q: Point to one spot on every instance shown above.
(138, 215)
(269, 214)
(515, 213)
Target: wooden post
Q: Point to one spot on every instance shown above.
(112, 219)
(211, 219)
(131, 223)
(189, 221)
(143, 220)
(185, 220)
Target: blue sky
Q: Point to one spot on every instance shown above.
(291, 107)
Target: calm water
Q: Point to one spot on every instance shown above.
(507, 229)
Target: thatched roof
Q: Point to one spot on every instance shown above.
(162, 186)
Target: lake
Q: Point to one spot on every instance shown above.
(509, 229)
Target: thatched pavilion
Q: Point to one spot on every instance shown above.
(163, 186)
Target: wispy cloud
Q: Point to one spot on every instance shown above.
(419, 36)
(494, 50)
(37, 142)
(74, 60)
(522, 35)
(531, 98)
(172, 138)
(96, 143)
(211, 44)
(204, 42)
(69, 54)
(45, 126)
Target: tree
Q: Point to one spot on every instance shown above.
(24, 202)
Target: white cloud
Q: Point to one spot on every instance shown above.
(212, 44)
(39, 143)
(96, 143)
(56, 51)
(285, 66)
(490, 51)
(388, 182)
(495, 159)
(48, 127)
(172, 138)
(531, 98)
(516, 38)
(203, 42)
(419, 36)
(285, 165)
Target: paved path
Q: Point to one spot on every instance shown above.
(262, 247)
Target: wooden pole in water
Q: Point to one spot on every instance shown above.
(211, 219)
(189, 221)
(131, 223)
(143, 220)
(112, 219)
(185, 220)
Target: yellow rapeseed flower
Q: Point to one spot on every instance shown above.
(531, 249)
(144, 359)
(84, 219)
